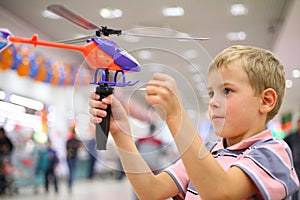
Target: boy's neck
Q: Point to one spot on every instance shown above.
(227, 142)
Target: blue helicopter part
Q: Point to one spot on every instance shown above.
(3, 39)
(119, 55)
(104, 79)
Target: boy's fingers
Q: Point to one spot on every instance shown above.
(162, 81)
(95, 120)
(98, 112)
(151, 90)
(97, 104)
(161, 77)
(108, 99)
(94, 96)
(157, 83)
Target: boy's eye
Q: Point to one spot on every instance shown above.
(227, 91)
(211, 94)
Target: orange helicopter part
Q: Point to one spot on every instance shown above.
(95, 56)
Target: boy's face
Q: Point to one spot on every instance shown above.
(233, 107)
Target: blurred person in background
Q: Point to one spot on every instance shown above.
(6, 145)
(6, 148)
(50, 174)
(293, 140)
(150, 148)
(91, 146)
(72, 146)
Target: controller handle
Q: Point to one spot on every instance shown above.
(102, 128)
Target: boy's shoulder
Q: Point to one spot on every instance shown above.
(267, 141)
(264, 139)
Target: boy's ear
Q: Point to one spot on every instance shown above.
(268, 100)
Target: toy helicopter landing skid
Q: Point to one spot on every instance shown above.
(101, 54)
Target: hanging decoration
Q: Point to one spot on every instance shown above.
(6, 59)
(27, 63)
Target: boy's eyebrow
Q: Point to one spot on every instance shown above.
(228, 84)
(221, 85)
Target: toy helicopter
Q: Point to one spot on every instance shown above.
(101, 54)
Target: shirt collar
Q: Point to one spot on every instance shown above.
(245, 143)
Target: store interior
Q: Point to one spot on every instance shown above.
(44, 91)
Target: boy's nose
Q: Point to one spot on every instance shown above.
(217, 101)
(213, 102)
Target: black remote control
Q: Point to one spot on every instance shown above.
(102, 129)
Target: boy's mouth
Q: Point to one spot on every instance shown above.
(216, 117)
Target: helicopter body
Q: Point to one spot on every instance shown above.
(99, 53)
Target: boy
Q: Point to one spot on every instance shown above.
(246, 87)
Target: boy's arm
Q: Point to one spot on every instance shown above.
(145, 183)
(207, 176)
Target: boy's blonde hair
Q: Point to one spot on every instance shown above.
(262, 68)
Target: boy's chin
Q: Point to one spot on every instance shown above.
(219, 133)
(219, 130)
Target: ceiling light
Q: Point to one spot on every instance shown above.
(50, 15)
(236, 36)
(238, 9)
(173, 11)
(110, 13)
(29, 103)
(289, 83)
(296, 73)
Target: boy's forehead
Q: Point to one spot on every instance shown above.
(231, 71)
(216, 72)
(214, 77)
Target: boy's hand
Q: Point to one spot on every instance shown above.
(119, 119)
(162, 93)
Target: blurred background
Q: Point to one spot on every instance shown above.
(44, 91)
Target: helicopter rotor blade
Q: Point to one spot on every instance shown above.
(76, 40)
(66, 13)
(163, 37)
(71, 16)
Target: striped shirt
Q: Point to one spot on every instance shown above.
(266, 160)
